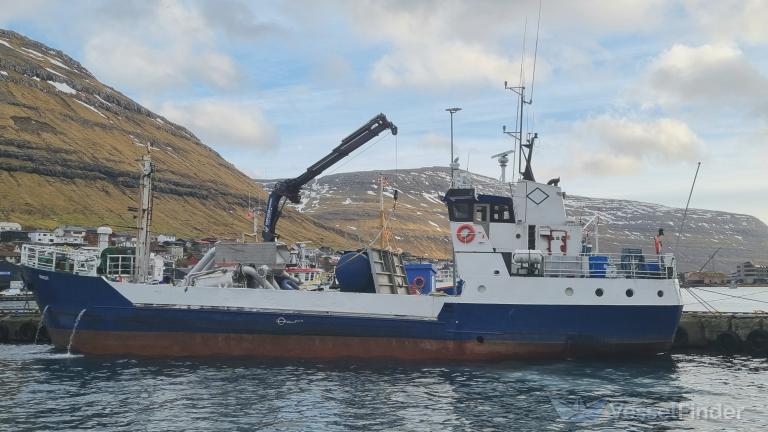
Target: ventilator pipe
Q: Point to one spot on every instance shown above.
(294, 279)
(288, 284)
(274, 283)
(261, 281)
(201, 265)
(248, 273)
(263, 271)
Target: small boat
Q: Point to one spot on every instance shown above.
(306, 273)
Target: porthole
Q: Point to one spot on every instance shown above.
(660, 293)
(517, 236)
(599, 292)
(569, 291)
(496, 272)
(630, 292)
(481, 288)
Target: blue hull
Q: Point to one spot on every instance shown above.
(111, 324)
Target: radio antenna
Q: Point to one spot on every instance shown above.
(535, 55)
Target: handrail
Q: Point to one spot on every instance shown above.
(610, 265)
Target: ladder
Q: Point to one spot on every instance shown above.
(388, 272)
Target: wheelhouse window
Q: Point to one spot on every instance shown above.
(481, 213)
(460, 204)
(460, 211)
(501, 213)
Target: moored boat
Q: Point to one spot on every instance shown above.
(526, 289)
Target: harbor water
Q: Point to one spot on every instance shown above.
(47, 390)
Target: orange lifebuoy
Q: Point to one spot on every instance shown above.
(465, 233)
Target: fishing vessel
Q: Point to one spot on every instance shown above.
(303, 269)
(525, 289)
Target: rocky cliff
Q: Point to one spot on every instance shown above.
(69, 146)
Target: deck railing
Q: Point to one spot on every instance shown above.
(119, 265)
(82, 261)
(610, 265)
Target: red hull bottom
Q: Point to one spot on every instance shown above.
(160, 344)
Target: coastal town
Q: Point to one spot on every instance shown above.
(172, 257)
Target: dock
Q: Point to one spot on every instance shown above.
(723, 332)
(29, 297)
(21, 326)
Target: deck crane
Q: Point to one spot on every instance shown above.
(289, 190)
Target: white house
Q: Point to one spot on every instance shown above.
(43, 237)
(61, 235)
(9, 226)
(69, 231)
(162, 238)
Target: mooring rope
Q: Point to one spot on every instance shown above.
(732, 296)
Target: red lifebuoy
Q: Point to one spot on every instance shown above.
(465, 233)
(416, 286)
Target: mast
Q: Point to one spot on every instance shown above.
(382, 237)
(144, 223)
(385, 238)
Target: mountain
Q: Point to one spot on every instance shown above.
(69, 147)
(349, 201)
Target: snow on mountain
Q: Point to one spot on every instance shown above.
(421, 222)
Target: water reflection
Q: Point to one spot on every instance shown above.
(44, 390)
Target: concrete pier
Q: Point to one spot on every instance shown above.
(20, 326)
(725, 332)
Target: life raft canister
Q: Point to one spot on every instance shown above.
(465, 233)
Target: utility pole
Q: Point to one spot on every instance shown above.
(143, 240)
(454, 165)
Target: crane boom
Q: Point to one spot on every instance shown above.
(290, 189)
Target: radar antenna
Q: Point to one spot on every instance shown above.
(503, 161)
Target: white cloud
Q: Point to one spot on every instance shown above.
(223, 124)
(433, 141)
(451, 43)
(710, 75)
(435, 63)
(157, 46)
(440, 44)
(730, 20)
(620, 146)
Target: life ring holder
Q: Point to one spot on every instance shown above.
(465, 233)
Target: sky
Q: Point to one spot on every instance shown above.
(627, 96)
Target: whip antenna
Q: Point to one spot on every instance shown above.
(535, 55)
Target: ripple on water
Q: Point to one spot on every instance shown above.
(45, 389)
